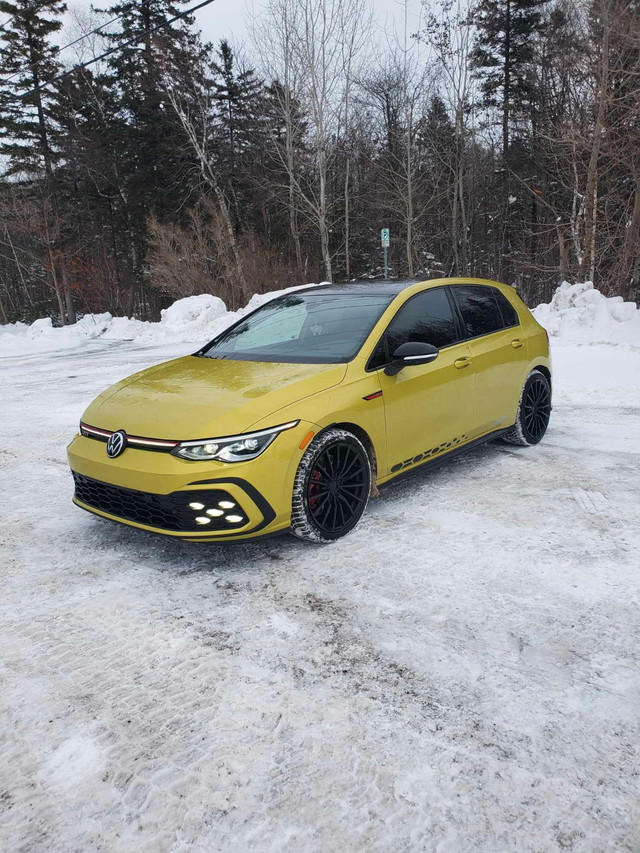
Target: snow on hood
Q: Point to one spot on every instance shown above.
(578, 313)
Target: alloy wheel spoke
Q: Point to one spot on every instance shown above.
(319, 488)
(327, 509)
(341, 510)
(349, 508)
(348, 467)
(351, 488)
(321, 502)
(335, 513)
(322, 469)
(357, 475)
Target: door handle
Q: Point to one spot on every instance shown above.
(462, 362)
(517, 343)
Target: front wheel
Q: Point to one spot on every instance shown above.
(534, 411)
(331, 487)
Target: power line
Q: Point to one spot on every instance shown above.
(11, 17)
(8, 21)
(66, 47)
(112, 50)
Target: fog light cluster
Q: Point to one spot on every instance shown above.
(217, 512)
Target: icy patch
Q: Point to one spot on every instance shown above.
(75, 761)
(578, 313)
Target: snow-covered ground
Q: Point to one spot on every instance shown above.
(462, 673)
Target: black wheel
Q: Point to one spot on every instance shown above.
(534, 411)
(331, 488)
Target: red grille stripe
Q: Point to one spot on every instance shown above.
(95, 431)
(154, 442)
(131, 439)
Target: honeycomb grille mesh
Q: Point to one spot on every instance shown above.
(178, 511)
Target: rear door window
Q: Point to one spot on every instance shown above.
(509, 313)
(479, 309)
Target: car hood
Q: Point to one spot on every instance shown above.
(194, 397)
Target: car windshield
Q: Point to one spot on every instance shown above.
(303, 327)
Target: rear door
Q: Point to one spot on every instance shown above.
(499, 352)
(428, 407)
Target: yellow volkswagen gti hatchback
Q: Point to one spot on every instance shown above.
(291, 418)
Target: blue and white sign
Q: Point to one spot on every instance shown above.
(384, 237)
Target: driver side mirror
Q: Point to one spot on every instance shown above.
(411, 354)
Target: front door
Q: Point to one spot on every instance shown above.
(428, 407)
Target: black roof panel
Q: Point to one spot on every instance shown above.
(388, 288)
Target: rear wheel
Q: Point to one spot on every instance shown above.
(331, 488)
(534, 411)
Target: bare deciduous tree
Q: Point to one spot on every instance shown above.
(194, 116)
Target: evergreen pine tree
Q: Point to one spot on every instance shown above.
(153, 158)
(437, 152)
(239, 112)
(503, 54)
(28, 59)
(91, 187)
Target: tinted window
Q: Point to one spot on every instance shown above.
(378, 357)
(303, 327)
(479, 309)
(427, 318)
(509, 314)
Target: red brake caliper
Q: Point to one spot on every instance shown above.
(314, 486)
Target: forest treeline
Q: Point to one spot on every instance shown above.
(501, 139)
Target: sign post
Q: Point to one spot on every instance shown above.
(384, 238)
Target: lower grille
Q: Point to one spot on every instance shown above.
(202, 510)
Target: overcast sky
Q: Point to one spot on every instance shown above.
(228, 18)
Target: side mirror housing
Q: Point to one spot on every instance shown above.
(411, 353)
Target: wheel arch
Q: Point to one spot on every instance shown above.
(545, 372)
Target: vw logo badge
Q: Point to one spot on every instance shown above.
(116, 444)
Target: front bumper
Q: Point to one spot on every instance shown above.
(164, 494)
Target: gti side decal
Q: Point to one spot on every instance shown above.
(428, 454)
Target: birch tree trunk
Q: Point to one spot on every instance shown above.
(602, 93)
(197, 134)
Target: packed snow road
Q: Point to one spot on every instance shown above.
(459, 674)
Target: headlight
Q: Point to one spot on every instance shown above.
(235, 448)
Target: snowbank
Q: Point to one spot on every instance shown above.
(578, 313)
(193, 320)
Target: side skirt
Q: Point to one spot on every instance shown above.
(445, 457)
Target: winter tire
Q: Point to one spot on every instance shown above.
(331, 487)
(534, 410)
